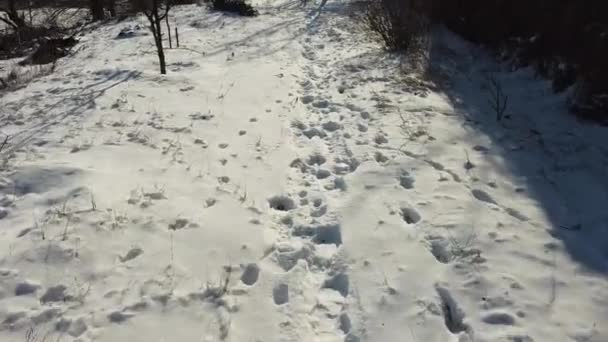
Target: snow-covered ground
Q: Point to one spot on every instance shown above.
(286, 182)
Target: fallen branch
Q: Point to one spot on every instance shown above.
(4, 143)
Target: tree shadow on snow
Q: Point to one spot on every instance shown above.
(556, 161)
(270, 39)
(72, 102)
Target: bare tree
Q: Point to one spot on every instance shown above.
(156, 11)
(97, 10)
(11, 16)
(112, 7)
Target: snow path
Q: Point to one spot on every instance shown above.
(286, 182)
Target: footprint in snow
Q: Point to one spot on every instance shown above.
(280, 294)
(406, 180)
(483, 196)
(380, 158)
(250, 274)
(131, 254)
(380, 139)
(410, 215)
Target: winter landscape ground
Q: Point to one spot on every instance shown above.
(287, 181)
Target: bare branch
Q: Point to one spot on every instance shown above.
(167, 8)
(498, 100)
(8, 21)
(4, 143)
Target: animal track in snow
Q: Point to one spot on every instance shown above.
(298, 164)
(410, 215)
(322, 174)
(316, 159)
(322, 234)
(483, 196)
(281, 203)
(287, 220)
(287, 255)
(329, 234)
(201, 142)
(515, 213)
(452, 314)
(25, 288)
(250, 274)
(345, 165)
(74, 328)
(306, 99)
(119, 316)
(280, 294)
(498, 317)
(318, 212)
(338, 282)
(380, 139)
(406, 180)
(131, 254)
(314, 132)
(331, 126)
(54, 294)
(440, 249)
(320, 104)
(380, 158)
(181, 223)
(480, 148)
(210, 202)
(200, 116)
(340, 184)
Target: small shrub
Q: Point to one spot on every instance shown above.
(497, 99)
(400, 23)
(19, 76)
(590, 106)
(49, 50)
(239, 7)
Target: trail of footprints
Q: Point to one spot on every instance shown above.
(309, 253)
(311, 234)
(334, 132)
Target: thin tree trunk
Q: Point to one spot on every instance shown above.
(112, 7)
(155, 20)
(176, 36)
(13, 15)
(169, 32)
(161, 56)
(97, 10)
(159, 42)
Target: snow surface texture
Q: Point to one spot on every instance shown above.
(285, 182)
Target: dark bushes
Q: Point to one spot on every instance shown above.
(566, 41)
(51, 24)
(49, 50)
(400, 23)
(239, 7)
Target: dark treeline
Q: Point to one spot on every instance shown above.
(566, 40)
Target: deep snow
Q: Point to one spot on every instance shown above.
(287, 182)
